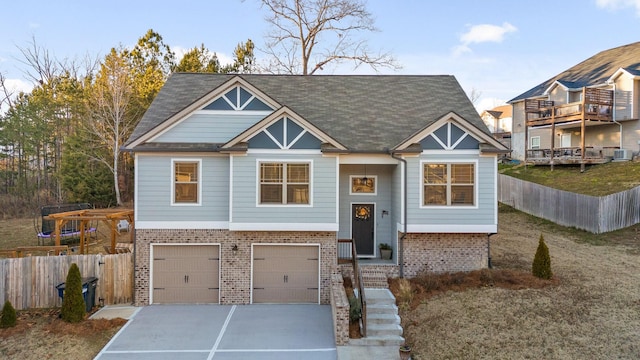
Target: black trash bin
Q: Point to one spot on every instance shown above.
(88, 291)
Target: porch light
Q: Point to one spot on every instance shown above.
(234, 248)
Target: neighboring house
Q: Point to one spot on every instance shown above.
(584, 115)
(245, 183)
(499, 122)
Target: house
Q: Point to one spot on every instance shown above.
(245, 183)
(587, 114)
(499, 121)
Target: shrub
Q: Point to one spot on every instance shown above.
(73, 306)
(405, 294)
(8, 316)
(355, 310)
(541, 267)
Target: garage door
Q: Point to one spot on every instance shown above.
(285, 274)
(185, 274)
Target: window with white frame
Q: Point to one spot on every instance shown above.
(186, 181)
(535, 142)
(284, 183)
(448, 184)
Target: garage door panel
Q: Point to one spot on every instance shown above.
(186, 274)
(285, 274)
(290, 295)
(181, 295)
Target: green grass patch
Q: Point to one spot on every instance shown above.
(596, 180)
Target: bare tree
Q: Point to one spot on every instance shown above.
(109, 122)
(306, 35)
(474, 95)
(5, 93)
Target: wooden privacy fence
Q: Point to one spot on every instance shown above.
(594, 214)
(30, 282)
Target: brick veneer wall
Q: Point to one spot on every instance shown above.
(235, 267)
(340, 310)
(442, 253)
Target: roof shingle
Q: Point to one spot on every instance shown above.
(365, 113)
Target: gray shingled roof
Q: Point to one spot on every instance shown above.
(364, 113)
(593, 71)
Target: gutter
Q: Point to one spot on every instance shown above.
(404, 220)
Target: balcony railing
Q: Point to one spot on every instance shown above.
(571, 155)
(596, 105)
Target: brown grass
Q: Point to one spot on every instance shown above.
(590, 310)
(40, 334)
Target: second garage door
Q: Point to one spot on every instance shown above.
(285, 274)
(185, 274)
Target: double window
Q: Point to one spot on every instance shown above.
(186, 182)
(284, 183)
(448, 184)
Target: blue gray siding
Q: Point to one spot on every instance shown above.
(484, 214)
(154, 190)
(210, 128)
(383, 200)
(245, 187)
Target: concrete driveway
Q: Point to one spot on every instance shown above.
(225, 332)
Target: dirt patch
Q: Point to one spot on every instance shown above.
(40, 334)
(592, 310)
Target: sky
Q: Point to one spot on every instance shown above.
(495, 48)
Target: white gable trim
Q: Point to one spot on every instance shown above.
(197, 105)
(460, 122)
(618, 73)
(274, 117)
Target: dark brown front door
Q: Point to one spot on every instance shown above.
(362, 227)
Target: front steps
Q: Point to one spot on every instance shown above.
(383, 322)
(374, 278)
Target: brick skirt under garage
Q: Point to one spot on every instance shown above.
(235, 266)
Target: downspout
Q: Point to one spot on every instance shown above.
(404, 216)
(489, 265)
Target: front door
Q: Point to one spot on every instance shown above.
(362, 227)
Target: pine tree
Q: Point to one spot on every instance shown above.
(73, 306)
(541, 267)
(8, 316)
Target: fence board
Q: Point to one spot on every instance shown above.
(590, 213)
(30, 282)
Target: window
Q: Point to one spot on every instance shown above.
(535, 142)
(284, 183)
(186, 175)
(363, 185)
(448, 184)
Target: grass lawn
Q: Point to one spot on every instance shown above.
(597, 180)
(589, 310)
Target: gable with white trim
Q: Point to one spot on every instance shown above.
(219, 120)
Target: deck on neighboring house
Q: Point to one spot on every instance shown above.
(594, 108)
(571, 155)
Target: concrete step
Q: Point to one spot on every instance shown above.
(381, 330)
(384, 318)
(381, 309)
(378, 341)
(379, 296)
